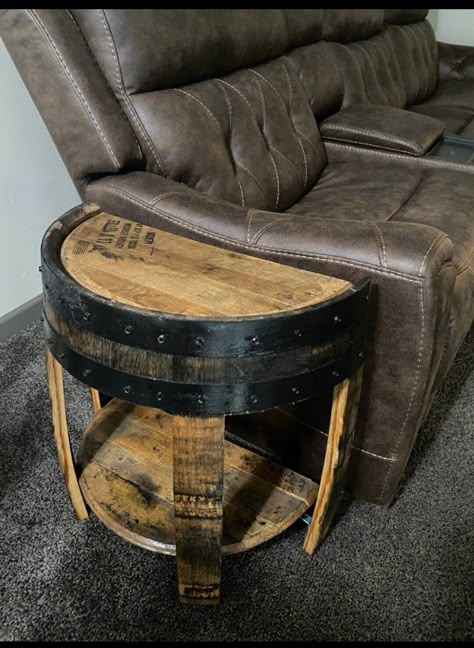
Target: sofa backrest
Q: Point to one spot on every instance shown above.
(221, 100)
(397, 65)
(214, 104)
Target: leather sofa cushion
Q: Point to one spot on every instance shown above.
(249, 137)
(366, 192)
(153, 50)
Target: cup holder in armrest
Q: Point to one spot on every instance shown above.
(454, 148)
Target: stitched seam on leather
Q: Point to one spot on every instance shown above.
(340, 260)
(380, 242)
(353, 447)
(351, 141)
(229, 111)
(242, 195)
(140, 154)
(268, 226)
(423, 161)
(82, 99)
(263, 136)
(124, 94)
(250, 215)
(383, 136)
(201, 103)
(295, 132)
(439, 238)
(188, 94)
(164, 195)
(415, 385)
(277, 200)
(274, 148)
(290, 93)
(254, 178)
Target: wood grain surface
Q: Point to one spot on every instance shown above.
(341, 435)
(148, 268)
(61, 436)
(198, 472)
(127, 478)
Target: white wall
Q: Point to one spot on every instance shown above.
(35, 188)
(453, 25)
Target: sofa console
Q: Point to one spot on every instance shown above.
(383, 127)
(454, 148)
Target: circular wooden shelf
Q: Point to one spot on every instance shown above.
(126, 464)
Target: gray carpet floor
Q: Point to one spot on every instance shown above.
(399, 573)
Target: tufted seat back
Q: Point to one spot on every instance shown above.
(247, 136)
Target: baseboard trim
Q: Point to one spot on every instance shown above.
(20, 317)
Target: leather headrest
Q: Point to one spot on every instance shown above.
(405, 16)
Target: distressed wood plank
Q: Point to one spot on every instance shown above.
(95, 398)
(133, 446)
(198, 475)
(61, 436)
(341, 434)
(146, 267)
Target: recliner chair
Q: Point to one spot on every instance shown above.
(197, 121)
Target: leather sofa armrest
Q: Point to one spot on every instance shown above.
(406, 249)
(455, 61)
(383, 127)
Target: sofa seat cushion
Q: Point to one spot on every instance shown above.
(370, 192)
(459, 121)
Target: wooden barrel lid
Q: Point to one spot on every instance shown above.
(148, 268)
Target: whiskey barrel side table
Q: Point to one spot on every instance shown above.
(182, 334)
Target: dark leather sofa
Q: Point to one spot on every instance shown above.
(393, 66)
(202, 122)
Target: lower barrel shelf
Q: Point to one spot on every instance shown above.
(126, 476)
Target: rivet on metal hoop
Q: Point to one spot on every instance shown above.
(87, 372)
(160, 339)
(199, 341)
(253, 399)
(335, 373)
(127, 389)
(337, 319)
(159, 396)
(128, 329)
(86, 316)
